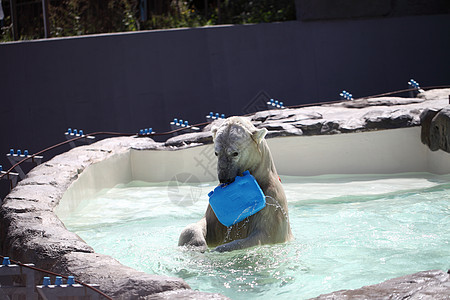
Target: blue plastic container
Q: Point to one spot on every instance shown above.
(236, 201)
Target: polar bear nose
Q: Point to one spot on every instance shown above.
(225, 179)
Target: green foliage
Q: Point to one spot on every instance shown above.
(81, 17)
(7, 31)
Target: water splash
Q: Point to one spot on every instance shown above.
(238, 227)
(277, 206)
(235, 231)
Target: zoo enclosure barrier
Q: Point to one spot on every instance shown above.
(19, 279)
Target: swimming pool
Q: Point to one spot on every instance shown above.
(350, 231)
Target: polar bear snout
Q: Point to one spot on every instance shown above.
(227, 167)
(226, 180)
(224, 177)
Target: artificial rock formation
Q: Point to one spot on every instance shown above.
(436, 128)
(32, 233)
(433, 284)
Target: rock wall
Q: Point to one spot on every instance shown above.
(436, 128)
(433, 284)
(32, 233)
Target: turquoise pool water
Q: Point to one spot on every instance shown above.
(350, 231)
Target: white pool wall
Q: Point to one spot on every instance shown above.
(159, 166)
(375, 152)
(102, 175)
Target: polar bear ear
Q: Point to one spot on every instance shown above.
(214, 131)
(259, 134)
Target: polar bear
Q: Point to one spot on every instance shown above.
(240, 146)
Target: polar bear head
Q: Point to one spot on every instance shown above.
(238, 145)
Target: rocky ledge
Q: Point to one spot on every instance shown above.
(346, 117)
(433, 284)
(435, 132)
(30, 231)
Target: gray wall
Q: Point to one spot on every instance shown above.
(124, 82)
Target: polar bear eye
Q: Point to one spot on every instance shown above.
(215, 153)
(235, 154)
